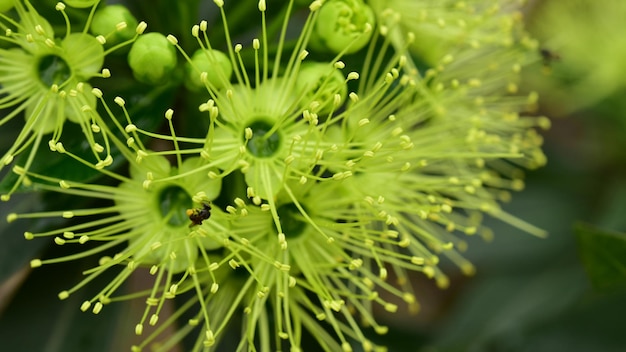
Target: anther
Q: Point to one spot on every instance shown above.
(97, 308)
(121, 26)
(141, 27)
(172, 39)
(233, 264)
(315, 5)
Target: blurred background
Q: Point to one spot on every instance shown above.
(563, 293)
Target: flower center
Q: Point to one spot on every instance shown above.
(291, 220)
(174, 202)
(53, 70)
(263, 144)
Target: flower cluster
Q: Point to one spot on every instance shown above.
(319, 164)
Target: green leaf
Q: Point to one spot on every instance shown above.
(603, 254)
(498, 313)
(15, 251)
(36, 320)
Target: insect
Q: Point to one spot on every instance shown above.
(197, 216)
(549, 56)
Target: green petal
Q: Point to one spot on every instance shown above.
(158, 165)
(215, 63)
(84, 54)
(199, 181)
(264, 179)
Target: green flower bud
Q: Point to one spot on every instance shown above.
(105, 22)
(152, 58)
(214, 63)
(344, 25)
(319, 82)
(6, 5)
(81, 3)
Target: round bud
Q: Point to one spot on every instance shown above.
(152, 58)
(6, 5)
(344, 25)
(106, 20)
(320, 82)
(215, 63)
(80, 3)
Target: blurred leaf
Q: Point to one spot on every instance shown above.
(603, 254)
(497, 313)
(612, 205)
(15, 251)
(36, 320)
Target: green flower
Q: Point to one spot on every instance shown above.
(45, 78)
(266, 124)
(475, 54)
(344, 26)
(218, 304)
(115, 23)
(442, 27)
(148, 213)
(152, 58)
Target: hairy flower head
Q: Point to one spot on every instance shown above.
(442, 27)
(146, 217)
